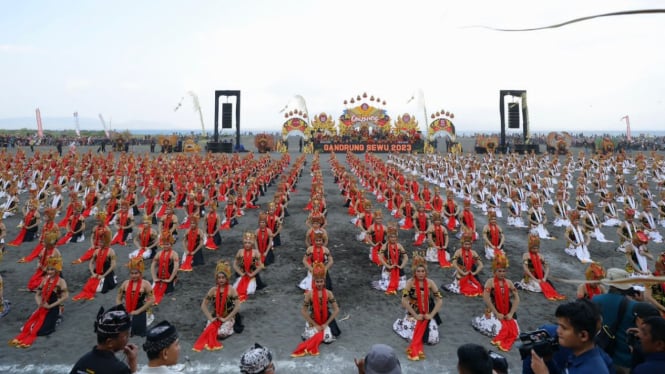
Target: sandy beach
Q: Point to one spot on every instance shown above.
(272, 316)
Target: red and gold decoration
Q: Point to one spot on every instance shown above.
(362, 112)
(296, 123)
(324, 123)
(406, 123)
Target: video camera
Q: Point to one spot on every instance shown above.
(499, 362)
(539, 341)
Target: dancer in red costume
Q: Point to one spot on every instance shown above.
(224, 319)
(501, 302)
(51, 294)
(493, 237)
(145, 241)
(102, 266)
(594, 272)
(421, 224)
(393, 257)
(320, 326)
(422, 300)
(317, 252)
(169, 222)
(247, 265)
(437, 238)
(192, 243)
(212, 225)
(264, 240)
(75, 227)
(315, 228)
(164, 268)
(376, 236)
(137, 296)
(450, 212)
(536, 271)
(124, 223)
(98, 233)
(49, 224)
(49, 250)
(467, 265)
(29, 225)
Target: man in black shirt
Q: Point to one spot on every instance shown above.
(112, 328)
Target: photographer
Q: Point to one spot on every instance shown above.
(641, 311)
(652, 336)
(475, 359)
(578, 323)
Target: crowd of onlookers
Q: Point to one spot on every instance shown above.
(634, 342)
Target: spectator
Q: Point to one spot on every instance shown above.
(610, 304)
(578, 324)
(162, 346)
(652, 336)
(257, 360)
(473, 359)
(641, 311)
(381, 359)
(112, 328)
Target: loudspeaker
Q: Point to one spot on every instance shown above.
(513, 115)
(227, 115)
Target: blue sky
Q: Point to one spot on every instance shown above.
(134, 60)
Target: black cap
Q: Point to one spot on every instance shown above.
(159, 337)
(113, 321)
(644, 310)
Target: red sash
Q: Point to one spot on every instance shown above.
(393, 252)
(132, 295)
(452, 221)
(468, 220)
(548, 291)
(262, 238)
(211, 226)
(208, 339)
(192, 236)
(162, 273)
(119, 236)
(29, 331)
(21, 235)
(506, 337)
(439, 241)
(247, 259)
(320, 316)
(90, 287)
(415, 350)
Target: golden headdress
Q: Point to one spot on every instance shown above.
(105, 238)
(318, 270)
(574, 215)
(101, 216)
(491, 214)
(51, 237)
(54, 262)
(436, 216)
(49, 212)
(534, 240)
(500, 262)
(166, 239)
(223, 266)
(594, 271)
(263, 217)
(467, 235)
(418, 261)
(392, 229)
(378, 213)
(316, 218)
(248, 236)
(136, 263)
